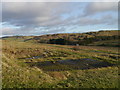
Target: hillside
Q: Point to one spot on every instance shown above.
(89, 38)
(27, 63)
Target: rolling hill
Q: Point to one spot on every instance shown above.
(90, 38)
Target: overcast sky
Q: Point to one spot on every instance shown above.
(38, 18)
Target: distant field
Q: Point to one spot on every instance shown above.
(27, 64)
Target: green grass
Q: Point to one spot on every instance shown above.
(18, 74)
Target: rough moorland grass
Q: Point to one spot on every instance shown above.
(18, 74)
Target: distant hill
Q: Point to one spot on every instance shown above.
(89, 38)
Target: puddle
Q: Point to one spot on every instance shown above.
(105, 52)
(63, 65)
(34, 57)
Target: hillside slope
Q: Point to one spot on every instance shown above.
(90, 38)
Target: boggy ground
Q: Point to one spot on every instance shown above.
(66, 65)
(58, 66)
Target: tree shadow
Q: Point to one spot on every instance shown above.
(65, 65)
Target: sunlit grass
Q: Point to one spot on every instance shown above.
(17, 73)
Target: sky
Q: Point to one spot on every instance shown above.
(40, 18)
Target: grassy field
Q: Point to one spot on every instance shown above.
(37, 65)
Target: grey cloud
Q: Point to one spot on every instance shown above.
(107, 19)
(29, 16)
(34, 13)
(31, 31)
(85, 21)
(95, 7)
(16, 31)
(53, 30)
